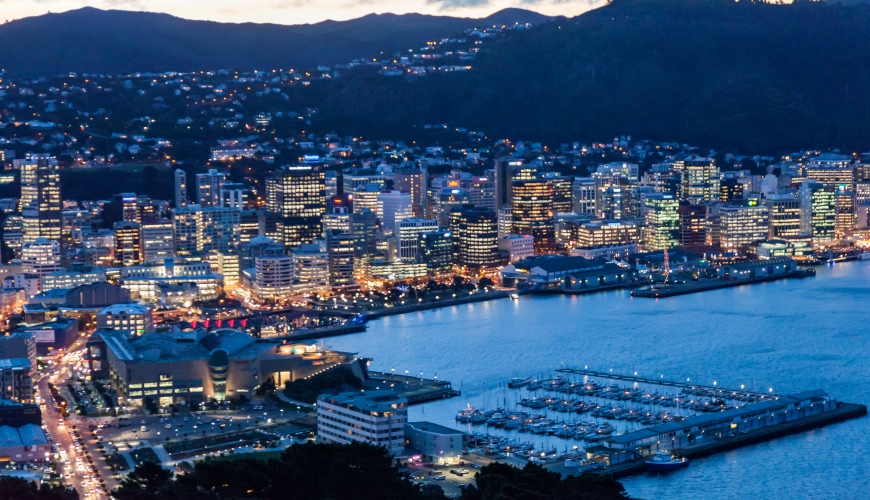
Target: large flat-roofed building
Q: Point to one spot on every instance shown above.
(48, 336)
(23, 444)
(375, 417)
(435, 443)
(198, 365)
(143, 281)
(127, 317)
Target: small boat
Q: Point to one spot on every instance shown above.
(519, 382)
(864, 256)
(663, 461)
(515, 296)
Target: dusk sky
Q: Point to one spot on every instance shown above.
(296, 11)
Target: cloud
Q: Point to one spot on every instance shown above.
(458, 4)
(590, 3)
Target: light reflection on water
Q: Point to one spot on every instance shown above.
(787, 335)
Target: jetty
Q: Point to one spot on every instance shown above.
(672, 290)
(417, 390)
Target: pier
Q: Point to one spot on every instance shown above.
(672, 290)
(416, 389)
(661, 381)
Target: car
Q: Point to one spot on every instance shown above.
(168, 426)
(227, 417)
(142, 422)
(439, 478)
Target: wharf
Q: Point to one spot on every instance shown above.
(714, 284)
(320, 333)
(425, 306)
(843, 412)
(662, 382)
(417, 390)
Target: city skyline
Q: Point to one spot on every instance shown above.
(289, 12)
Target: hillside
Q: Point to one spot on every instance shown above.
(748, 75)
(90, 40)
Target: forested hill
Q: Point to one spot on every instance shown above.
(90, 40)
(746, 74)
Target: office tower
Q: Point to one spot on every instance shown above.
(339, 204)
(445, 201)
(208, 187)
(234, 195)
(475, 240)
(366, 198)
(365, 231)
(156, 238)
(742, 224)
(600, 233)
(700, 180)
(339, 250)
(330, 183)
(584, 195)
(862, 172)
(41, 256)
(311, 264)
(393, 207)
(298, 195)
(180, 188)
(505, 221)
(784, 214)
(41, 202)
(409, 180)
(342, 222)
(149, 209)
(563, 192)
(730, 189)
(838, 173)
(533, 212)
(249, 225)
(275, 272)
(128, 246)
(128, 203)
(661, 223)
(612, 203)
(201, 229)
(408, 236)
(435, 249)
(693, 225)
(818, 212)
(481, 191)
(503, 175)
(351, 182)
(13, 234)
(844, 223)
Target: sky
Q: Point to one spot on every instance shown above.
(296, 11)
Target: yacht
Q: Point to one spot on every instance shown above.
(663, 461)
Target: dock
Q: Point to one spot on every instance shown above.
(661, 381)
(416, 389)
(713, 284)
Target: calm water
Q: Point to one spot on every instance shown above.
(788, 335)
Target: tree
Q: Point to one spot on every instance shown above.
(485, 283)
(148, 480)
(533, 482)
(16, 488)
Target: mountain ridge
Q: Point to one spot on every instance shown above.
(91, 40)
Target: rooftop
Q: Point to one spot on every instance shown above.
(434, 428)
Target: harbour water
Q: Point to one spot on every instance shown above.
(788, 335)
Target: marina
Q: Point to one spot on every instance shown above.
(733, 336)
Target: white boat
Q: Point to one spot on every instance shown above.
(864, 256)
(663, 461)
(515, 296)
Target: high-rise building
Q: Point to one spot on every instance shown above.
(693, 225)
(201, 229)
(128, 245)
(533, 212)
(730, 189)
(393, 207)
(844, 224)
(481, 191)
(298, 195)
(156, 238)
(365, 231)
(40, 257)
(312, 268)
(13, 234)
(818, 212)
(180, 188)
(275, 273)
(503, 175)
(445, 201)
(41, 202)
(784, 215)
(339, 250)
(233, 195)
(563, 192)
(475, 240)
(435, 249)
(600, 233)
(208, 187)
(700, 180)
(584, 195)
(661, 223)
(505, 221)
(129, 204)
(408, 236)
(410, 181)
(341, 222)
(741, 225)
